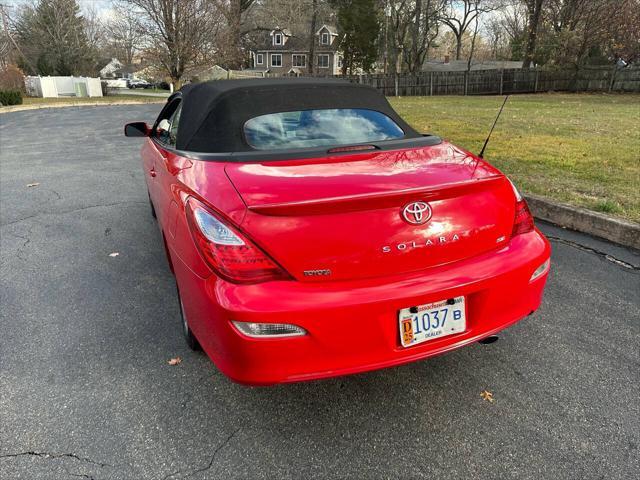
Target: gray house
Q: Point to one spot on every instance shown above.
(282, 52)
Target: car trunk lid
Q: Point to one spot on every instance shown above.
(341, 217)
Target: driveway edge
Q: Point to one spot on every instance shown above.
(20, 108)
(585, 221)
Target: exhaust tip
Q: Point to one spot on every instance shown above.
(489, 340)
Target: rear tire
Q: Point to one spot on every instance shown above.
(189, 337)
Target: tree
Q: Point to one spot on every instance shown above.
(313, 26)
(233, 11)
(53, 40)
(579, 32)
(506, 31)
(94, 29)
(624, 41)
(414, 26)
(360, 28)
(125, 34)
(534, 10)
(461, 14)
(423, 30)
(181, 33)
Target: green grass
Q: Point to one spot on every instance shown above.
(582, 149)
(93, 100)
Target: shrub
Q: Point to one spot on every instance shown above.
(11, 78)
(10, 97)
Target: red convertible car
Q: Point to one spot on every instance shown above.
(314, 233)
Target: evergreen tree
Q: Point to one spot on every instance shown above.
(359, 24)
(53, 39)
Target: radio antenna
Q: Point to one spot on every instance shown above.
(494, 126)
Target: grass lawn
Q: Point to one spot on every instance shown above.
(93, 100)
(582, 149)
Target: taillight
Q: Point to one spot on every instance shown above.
(227, 251)
(523, 221)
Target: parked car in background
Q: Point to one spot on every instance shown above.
(313, 233)
(138, 83)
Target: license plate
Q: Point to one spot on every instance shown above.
(431, 321)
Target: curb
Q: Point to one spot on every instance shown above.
(585, 221)
(21, 108)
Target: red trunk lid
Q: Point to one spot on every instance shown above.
(343, 214)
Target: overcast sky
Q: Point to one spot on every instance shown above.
(101, 6)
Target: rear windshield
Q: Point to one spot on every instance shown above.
(319, 128)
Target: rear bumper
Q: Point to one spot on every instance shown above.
(353, 326)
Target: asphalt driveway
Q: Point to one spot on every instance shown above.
(86, 391)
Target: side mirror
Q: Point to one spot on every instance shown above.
(136, 129)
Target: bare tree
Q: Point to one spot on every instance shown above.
(313, 26)
(513, 20)
(180, 32)
(9, 49)
(414, 27)
(233, 11)
(505, 30)
(582, 30)
(534, 9)
(461, 14)
(424, 29)
(624, 40)
(472, 51)
(94, 28)
(124, 33)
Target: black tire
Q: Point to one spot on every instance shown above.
(153, 209)
(189, 337)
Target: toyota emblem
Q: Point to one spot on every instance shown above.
(416, 213)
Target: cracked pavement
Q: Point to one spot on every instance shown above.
(86, 392)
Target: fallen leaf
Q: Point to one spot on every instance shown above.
(114, 254)
(487, 395)
(175, 361)
(29, 185)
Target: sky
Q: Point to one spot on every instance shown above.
(103, 7)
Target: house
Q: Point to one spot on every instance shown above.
(282, 52)
(110, 67)
(448, 65)
(212, 73)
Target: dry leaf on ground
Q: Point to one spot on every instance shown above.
(33, 184)
(175, 361)
(487, 395)
(114, 254)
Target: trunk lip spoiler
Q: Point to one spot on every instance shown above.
(381, 199)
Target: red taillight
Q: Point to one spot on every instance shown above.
(523, 221)
(227, 251)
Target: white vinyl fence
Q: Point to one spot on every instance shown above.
(52, 87)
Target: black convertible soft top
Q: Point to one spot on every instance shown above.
(214, 113)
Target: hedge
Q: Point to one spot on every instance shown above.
(10, 97)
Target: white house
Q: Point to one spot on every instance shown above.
(109, 70)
